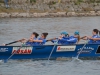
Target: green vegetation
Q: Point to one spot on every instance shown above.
(87, 9)
(49, 6)
(1, 1)
(92, 1)
(52, 3)
(32, 1)
(10, 10)
(88, 1)
(78, 2)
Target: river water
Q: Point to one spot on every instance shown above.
(12, 29)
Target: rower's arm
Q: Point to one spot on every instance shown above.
(95, 39)
(63, 40)
(52, 39)
(84, 38)
(72, 40)
(37, 40)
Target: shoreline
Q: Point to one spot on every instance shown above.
(47, 14)
(49, 8)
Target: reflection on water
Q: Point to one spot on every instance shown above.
(16, 28)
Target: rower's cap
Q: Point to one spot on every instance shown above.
(77, 33)
(64, 32)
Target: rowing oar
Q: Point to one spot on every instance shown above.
(13, 53)
(77, 57)
(11, 43)
(52, 50)
(14, 42)
(82, 49)
(51, 39)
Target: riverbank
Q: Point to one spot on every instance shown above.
(50, 8)
(47, 14)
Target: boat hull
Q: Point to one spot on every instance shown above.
(35, 52)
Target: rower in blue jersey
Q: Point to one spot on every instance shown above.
(34, 36)
(95, 39)
(41, 40)
(73, 39)
(64, 35)
(59, 40)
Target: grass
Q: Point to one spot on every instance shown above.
(10, 10)
(52, 3)
(1, 1)
(80, 0)
(89, 1)
(87, 9)
(77, 2)
(32, 1)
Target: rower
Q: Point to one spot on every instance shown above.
(64, 35)
(60, 39)
(41, 40)
(73, 39)
(34, 36)
(95, 39)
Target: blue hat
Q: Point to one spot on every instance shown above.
(76, 32)
(64, 32)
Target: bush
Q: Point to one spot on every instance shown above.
(92, 1)
(1, 1)
(52, 3)
(80, 0)
(31, 1)
(87, 9)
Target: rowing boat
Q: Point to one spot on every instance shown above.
(35, 52)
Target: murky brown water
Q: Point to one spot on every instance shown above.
(12, 29)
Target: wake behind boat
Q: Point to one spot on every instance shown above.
(40, 52)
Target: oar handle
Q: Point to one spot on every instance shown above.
(11, 43)
(51, 39)
(83, 37)
(15, 41)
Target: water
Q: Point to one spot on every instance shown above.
(16, 28)
(12, 29)
(29, 67)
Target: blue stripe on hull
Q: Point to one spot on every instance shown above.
(90, 50)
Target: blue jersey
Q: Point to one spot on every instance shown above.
(94, 42)
(67, 40)
(98, 40)
(72, 40)
(61, 41)
(41, 43)
(31, 43)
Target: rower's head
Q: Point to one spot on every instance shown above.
(77, 35)
(44, 35)
(95, 32)
(34, 34)
(64, 34)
